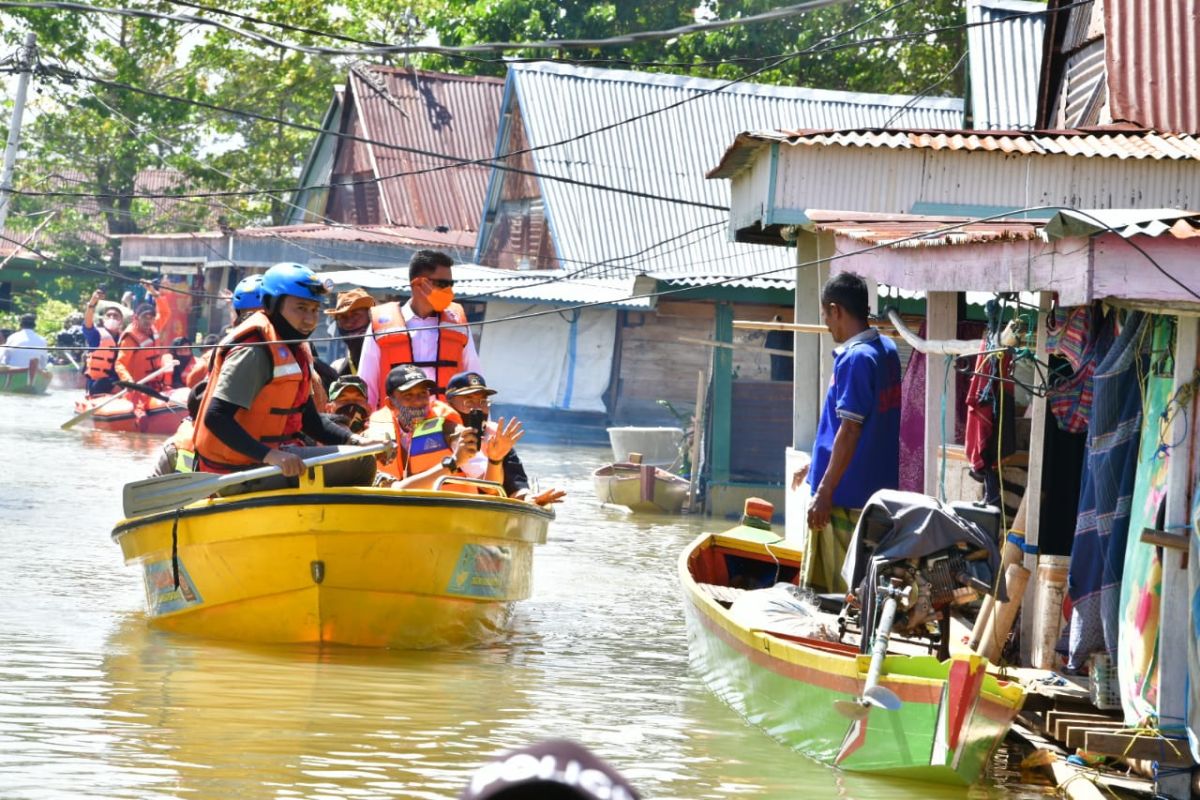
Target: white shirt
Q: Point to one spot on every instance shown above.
(424, 348)
(13, 356)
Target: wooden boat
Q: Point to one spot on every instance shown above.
(24, 381)
(66, 376)
(362, 566)
(951, 714)
(640, 487)
(158, 417)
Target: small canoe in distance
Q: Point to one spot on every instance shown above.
(785, 672)
(360, 566)
(24, 381)
(157, 417)
(643, 488)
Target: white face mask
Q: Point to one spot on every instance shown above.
(112, 324)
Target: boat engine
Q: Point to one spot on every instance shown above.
(934, 557)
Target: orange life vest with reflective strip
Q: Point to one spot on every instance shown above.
(185, 447)
(139, 363)
(395, 343)
(101, 362)
(382, 422)
(275, 416)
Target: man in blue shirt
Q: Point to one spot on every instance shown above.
(857, 448)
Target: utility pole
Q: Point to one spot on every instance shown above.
(25, 59)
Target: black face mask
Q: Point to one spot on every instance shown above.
(355, 417)
(283, 327)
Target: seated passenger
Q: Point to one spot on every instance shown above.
(184, 359)
(178, 453)
(469, 395)
(260, 396)
(348, 402)
(138, 355)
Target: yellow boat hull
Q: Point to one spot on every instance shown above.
(356, 566)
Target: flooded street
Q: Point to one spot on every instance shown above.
(93, 703)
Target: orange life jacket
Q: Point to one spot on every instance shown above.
(139, 363)
(275, 416)
(408, 462)
(101, 362)
(395, 343)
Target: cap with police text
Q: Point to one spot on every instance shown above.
(555, 768)
(351, 300)
(347, 382)
(467, 383)
(405, 377)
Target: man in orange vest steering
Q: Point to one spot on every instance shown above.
(430, 330)
(260, 395)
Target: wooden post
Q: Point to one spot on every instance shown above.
(722, 405)
(1175, 623)
(697, 437)
(807, 389)
(941, 322)
(1033, 488)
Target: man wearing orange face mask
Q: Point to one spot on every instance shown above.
(429, 330)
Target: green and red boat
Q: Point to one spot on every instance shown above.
(810, 691)
(33, 380)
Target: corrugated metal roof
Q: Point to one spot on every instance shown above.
(475, 282)
(666, 154)
(374, 234)
(898, 229)
(1131, 144)
(1153, 62)
(1005, 52)
(12, 245)
(1126, 222)
(457, 115)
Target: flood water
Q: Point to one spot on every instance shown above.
(95, 704)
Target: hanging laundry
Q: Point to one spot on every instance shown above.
(1141, 583)
(1081, 336)
(1098, 553)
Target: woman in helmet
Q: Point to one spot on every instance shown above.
(247, 298)
(259, 399)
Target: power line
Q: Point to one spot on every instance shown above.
(548, 44)
(924, 235)
(493, 161)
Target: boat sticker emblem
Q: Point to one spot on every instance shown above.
(481, 571)
(161, 595)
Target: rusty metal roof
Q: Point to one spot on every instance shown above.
(1121, 144)
(898, 230)
(376, 234)
(457, 115)
(1152, 57)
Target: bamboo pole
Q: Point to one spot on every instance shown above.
(736, 346)
(795, 327)
(995, 633)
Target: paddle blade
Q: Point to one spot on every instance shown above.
(851, 709)
(881, 697)
(167, 493)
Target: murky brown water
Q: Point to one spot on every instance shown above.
(93, 703)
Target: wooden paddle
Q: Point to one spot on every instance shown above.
(169, 492)
(82, 415)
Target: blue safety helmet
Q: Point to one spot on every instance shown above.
(247, 295)
(294, 279)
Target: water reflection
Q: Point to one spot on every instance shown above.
(94, 703)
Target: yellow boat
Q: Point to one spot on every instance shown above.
(361, 566)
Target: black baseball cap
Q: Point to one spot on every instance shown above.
(467, 383)
(556, 769)
(405, 377)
